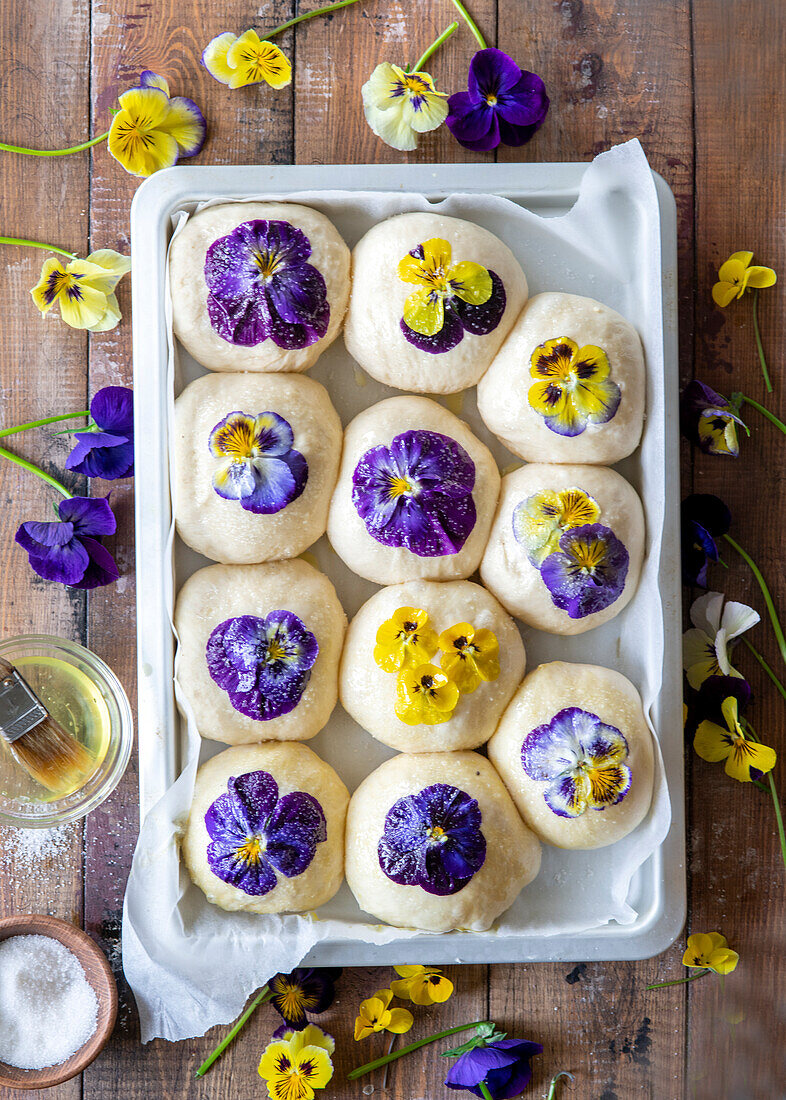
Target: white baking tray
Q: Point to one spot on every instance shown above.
(657, 891)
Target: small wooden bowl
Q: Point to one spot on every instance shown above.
(99, 976)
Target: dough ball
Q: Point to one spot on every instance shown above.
(566, 546)
(455, 634)
(415, 495)
(266, 829)
(259, 651)
(568, 384)
(256, 460)
(258, 286)
(394, 329)
(434, 842)
(576, 754)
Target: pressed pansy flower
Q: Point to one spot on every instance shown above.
(581, 758)
(84, 290)
(710, 951)
(450, 299)
(716, 625)
(69, 550)
(106, 448)
(736, 275)
(433, 839)
(240, 60)
(263, 664)
(425, 695)
(256, 836)
(262, 287)
(375, 1014)
(742, 754)
(573, 388)
(256, 461)
(503, 103)
(417, 493)
(152, 129)
(540, 520)
(703, 518)
(399, 106)
(707, 420)
(405, 640)
(293, 1069)
(423, 985)
(587, 573)
(301, 992)
(469, 656)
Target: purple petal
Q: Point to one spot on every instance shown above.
(112, 409)
(484, 318)
(53, 553)
(243, 638)
(492, 73)
(298, 294)
(99, 454)
(257, 793)
(254, 879)
(90, 516)
(294, 336)
(35, 536)
(484, 144)
(101, 569)
(469, 119)
(515, 136)
(296, 827)
(274, 487)
(451, 334)
(526, 104)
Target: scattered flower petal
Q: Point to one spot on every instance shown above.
(742, 755)
(704, 518)
(150, 130)
(706, 646)
(423, 985)
(293, 1069)
(302, 992)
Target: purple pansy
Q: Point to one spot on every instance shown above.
(503, 103)
(254, 833)
(588, 571)
(69, 550)
(703, 518)
(261, 287)
(581, 758)
(303, 992)
(502, 1066)
(432, 839)
(417, 493)
(106, 448)
(257, 463)
(263, 665)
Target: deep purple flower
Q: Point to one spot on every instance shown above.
(417, 493)
(263, 665)
(303, 992)
(707, 419)
(257, 463)
(705, 704)
(502, 1066)
(254, 833)
(261, 287)
(106, 448)
(69, 550)
(588, 571)
(432, 839)
(704, 518)
(503, 103)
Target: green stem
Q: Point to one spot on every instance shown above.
(775, 621)
(553, 1086)
(308, 15)
(766, 668)
(421, 61)
(361, 1071)
(53, 152)
(263, 995)
(37, 244)
(764, 412)
(778, 816)
(470, 23)
(41, 423)
(757, 334)
(484, 1092)
(35, 470)
(680, 981)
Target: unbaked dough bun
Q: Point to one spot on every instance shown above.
(415, 495)
(258, 286)
(576, 754)
(266, 829)
(259, 650)
(456, 637)
(446, 341)
(566, 546)
(435, 842)
(256, 460)
(568, 384)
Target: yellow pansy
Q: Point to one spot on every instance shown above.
(375, 1014)
(405, 640)
(430, 267)
(574, 388)
(151, 129)
(294, 1068)
(240, 60)
(83, 289)
(736, 276)
(540, 520)
(713, 743)
(312, 1036)
(423, 985)
(425, 696)
(710, 951)
(469, 656)
(399, 106)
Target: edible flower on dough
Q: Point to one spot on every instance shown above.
(151, 129)
(469, 656)
(257, 464)
(540, 520)
(587, 572)
(399, 106)
(574, 387)
(425, 695)
(423, 985)
(742, 754)
(83, 289)
(711, 951)
(716, 625)
(405, 640)
(293, 1069)
(736, 275)
(375, 1014)
(240, 60)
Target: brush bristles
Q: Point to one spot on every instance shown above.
(53, 757)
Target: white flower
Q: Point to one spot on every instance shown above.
(399, 106)
(705, 648)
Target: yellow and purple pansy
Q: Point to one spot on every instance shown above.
(541, 519)
(261, 286)
(83, 289)
(256, 462)
(240, 60)
(256, 836)
(450, 299)
(294, 1067)
(399, 106)
(745, 758)
(587, 572)
(425, 696)
(470, 656)
(581, 758)
(152, 129)
(405, 640)
(573, 388)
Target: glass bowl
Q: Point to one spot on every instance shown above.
(54, 664)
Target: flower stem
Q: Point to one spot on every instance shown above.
(679, 981)
(776, 625)
(766, 668)
(53, 152)
(37, 244)
(307, 15)
(553, 1086)
(263, 995)
(41, 423)
(778, 816)
(757, 334)
(484, 1092)
(470, 23)
(764, 412)
(361, 1071)
(35, 470)
(421, 61)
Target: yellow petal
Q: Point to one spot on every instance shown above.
(320, 1066)
(142, 150)
(424, 313)
(146, 106)
(253, 62)
(272, 1057)
(743, 258)
(717, 939)
(392, 125)
(214, 57)
(185, 123)
(733, 270)
(113, 266)
(409, 971)
(724, 293)
(745, 755)
(401, 1020)
(47, 289)
(711, 742)
(471, 282)
(723, 961)
(112, 316)
(430, 112)
(760, 277)
(82, 306)
(362, 1029)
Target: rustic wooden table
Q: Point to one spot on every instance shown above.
(701, 82)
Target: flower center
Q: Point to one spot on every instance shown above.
(491, 99)
(437, 834)
(400, 487)
(409, 628)
(267, 264)
(587, 557)
(427, 683)
(252, 850)
(274, 651)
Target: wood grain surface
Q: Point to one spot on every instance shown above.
(701, 83)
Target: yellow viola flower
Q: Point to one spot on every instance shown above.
(713, 743)
(423, 985)
(240, 60)
(540, 520)
(736, 276)
(151, 129)
(710, 951)
(294, 1068)
(375, 1014)
(83, 289)
(425, 696)
(405, 640)
(469, 656)
(573, 388)
(399, 106)
(430, 268)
